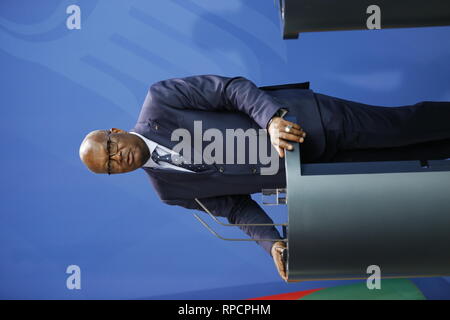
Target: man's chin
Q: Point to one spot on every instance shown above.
(131, 169)
(126, 170)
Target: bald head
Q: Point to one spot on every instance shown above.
(113, 151)
(93, 150)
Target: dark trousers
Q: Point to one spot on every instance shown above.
(360, 132)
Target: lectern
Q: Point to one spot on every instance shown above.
(328, 15)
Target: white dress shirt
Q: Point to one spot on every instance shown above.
(161, 151)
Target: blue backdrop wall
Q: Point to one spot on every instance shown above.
(58, 84)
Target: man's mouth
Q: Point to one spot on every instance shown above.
(130, 158)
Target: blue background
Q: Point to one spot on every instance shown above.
(58, 84)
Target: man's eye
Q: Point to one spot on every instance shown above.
(108, 143)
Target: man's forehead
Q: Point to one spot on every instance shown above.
(94, 145)
(96, 155)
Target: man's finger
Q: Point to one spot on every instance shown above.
(280, 249)
(291, 137)
(280, 152)
(297, 132)
(285, 145)
(293, 124)
(281, 267)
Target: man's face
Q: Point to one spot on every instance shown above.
(113, 151)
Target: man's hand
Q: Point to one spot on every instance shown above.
(279, 137)
(277, 250)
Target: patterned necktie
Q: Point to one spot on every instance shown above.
(178, 161)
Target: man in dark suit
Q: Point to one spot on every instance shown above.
(337, 130)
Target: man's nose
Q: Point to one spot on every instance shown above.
(117, 157)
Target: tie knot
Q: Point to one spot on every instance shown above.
(168, 157)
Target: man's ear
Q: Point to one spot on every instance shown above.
(115, 130)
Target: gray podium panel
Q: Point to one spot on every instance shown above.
(341, 222)
(327, 15)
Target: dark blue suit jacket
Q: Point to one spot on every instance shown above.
(225, 103)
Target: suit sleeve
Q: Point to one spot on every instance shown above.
(237, 209)
(216, 93)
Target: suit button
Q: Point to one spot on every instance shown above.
(221, 169)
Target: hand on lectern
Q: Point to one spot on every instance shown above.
(281, 131)
(277, 255)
